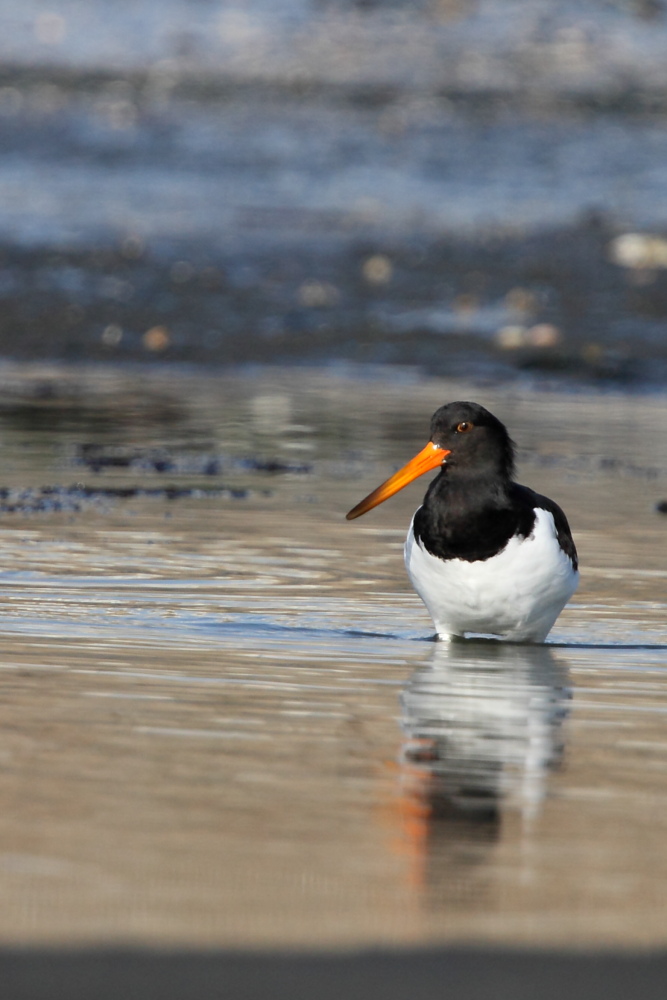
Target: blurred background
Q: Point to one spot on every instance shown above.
(469, 186)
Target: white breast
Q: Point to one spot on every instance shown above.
(516, 594)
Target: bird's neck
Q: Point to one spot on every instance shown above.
(466, 517)
(458, 494)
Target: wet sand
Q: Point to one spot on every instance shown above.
(213, 704)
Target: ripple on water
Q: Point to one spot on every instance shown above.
(229, 715)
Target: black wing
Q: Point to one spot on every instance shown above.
(563, 532)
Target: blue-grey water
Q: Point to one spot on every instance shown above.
(383, 183)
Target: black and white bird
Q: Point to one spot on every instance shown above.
(486, 556)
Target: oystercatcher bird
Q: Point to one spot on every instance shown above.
(486, 556)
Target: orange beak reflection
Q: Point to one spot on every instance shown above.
(428, 458)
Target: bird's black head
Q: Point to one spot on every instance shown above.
(468, 444)
(477, 442)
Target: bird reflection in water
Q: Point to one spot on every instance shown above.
(483, 724)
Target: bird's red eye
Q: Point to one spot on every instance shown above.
(464, 426)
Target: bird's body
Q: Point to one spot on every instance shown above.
(517, 593)
(486, 555)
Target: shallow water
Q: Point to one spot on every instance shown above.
(221, 720)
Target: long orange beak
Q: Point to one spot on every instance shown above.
(428, 458)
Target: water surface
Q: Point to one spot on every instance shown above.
(222, 722)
